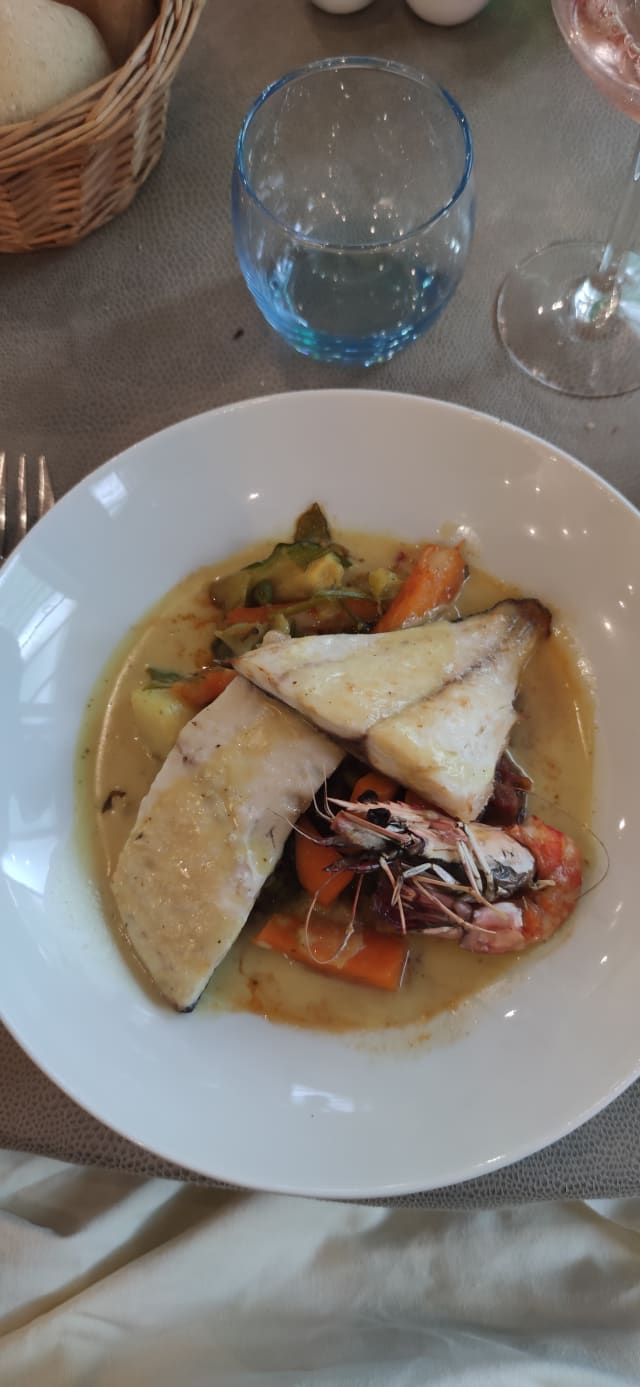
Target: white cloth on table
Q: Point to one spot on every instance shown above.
(110, 1279)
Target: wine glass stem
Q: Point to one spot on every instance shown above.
(622, 231)
(596, 300)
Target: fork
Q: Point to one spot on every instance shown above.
(26, 515)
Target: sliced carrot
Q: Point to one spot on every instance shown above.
(198, 693)
(435, 579)
(312, 860)
(374, 782)
(367, 957)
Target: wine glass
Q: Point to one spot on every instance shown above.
(570, 314)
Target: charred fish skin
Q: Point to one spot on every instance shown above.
(209, 833)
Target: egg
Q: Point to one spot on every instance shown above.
(446, 11)
(342, 6)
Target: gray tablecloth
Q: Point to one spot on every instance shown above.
(149, 321)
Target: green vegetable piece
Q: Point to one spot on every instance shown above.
(244, 636)
(164, 678)
(262, 593)
(283, 574)
(335, 594)
(301, 552)
(238, 639)
(313, 526)
(232, 590)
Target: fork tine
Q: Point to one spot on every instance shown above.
(3, 505)
(44, 501)
(45, 489)
(21, 486)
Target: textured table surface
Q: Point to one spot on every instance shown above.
(149, 321)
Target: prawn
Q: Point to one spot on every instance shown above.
(491, 890)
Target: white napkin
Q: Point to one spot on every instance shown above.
(110, 1279)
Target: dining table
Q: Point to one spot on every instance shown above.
(116, 1266)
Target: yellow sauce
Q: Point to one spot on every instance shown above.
(553, 741)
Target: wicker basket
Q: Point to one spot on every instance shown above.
(75, 167)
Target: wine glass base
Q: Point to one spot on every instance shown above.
(554, 329)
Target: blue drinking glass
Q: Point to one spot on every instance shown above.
(353, 206)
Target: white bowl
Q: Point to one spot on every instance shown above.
(230, 1095)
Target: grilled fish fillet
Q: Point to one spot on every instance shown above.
(211, 830)
(345, 684)
(431, 706)
(447, 747)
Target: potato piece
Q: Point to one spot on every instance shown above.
(326, 572)
(160, 716)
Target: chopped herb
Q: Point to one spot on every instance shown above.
(164, 678)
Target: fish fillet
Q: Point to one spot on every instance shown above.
(211, 830)
(447, 747)
(345, 683)
(431, 706)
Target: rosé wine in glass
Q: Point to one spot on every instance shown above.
(604, 37)
(570, 314)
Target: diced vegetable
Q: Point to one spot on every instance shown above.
(340, 609)
(170, 700)
(325, 572)
(375, 783)
(384, 583)
(163, 678)
(199, 693)
(263, 593)
(313, 526)
(378, 960)
(435, 579)
(238, 639)
(313, 858)
(292, 571)
(160, 716)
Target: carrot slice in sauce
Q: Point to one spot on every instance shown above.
(312, 860)
(199, 693)
(374, 782)
(378, 960)
(435, 579)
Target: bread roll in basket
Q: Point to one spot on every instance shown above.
(73, 168)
